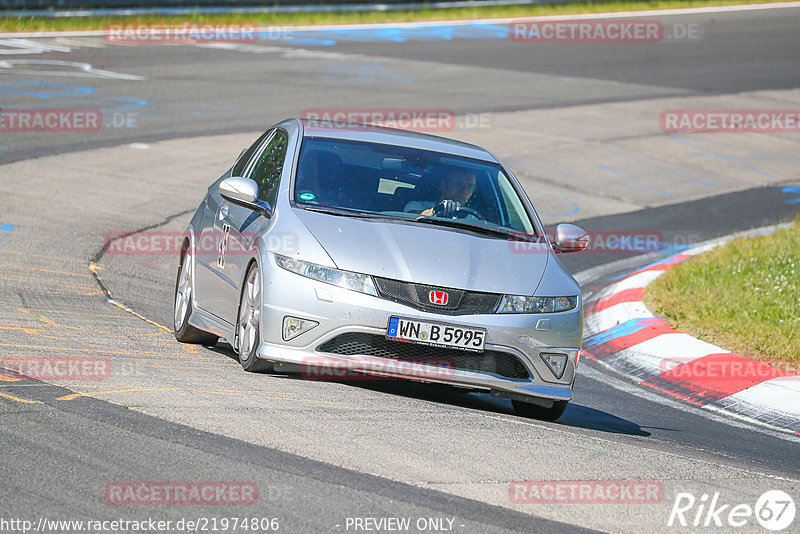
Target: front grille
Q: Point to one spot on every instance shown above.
(490, 361)
(461, 302)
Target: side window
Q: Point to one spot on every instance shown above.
(515, 209)
(241, 163)
(267, 170)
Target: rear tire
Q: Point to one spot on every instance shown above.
(184, 293)
(534, 411)
(248, 324)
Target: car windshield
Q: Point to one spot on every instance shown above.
(430, 187)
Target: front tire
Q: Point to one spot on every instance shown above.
(534, 411)
(184, 293)
(248, 325)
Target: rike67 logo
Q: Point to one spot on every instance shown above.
(774, 510)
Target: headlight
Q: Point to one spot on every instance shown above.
(520, 304)
(355, 281)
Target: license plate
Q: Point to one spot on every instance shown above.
(436, 334)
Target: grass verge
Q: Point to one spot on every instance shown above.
(29, 24)
(743, 296)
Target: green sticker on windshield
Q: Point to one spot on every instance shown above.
(307, 196)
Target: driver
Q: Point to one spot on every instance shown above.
(456, 189)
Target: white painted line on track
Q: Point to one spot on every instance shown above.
(708, 412)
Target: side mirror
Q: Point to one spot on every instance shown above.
(244, 192)
(241, 191)
(570, 238)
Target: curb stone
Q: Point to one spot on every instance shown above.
(624, 335)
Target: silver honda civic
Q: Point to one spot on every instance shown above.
(347, 251)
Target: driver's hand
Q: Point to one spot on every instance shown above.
(447, 208)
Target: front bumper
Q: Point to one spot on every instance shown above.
(341, 311)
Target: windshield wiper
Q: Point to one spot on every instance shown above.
(452, 223)
(457, 223)
(344, 212)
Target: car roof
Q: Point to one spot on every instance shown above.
(393, 136)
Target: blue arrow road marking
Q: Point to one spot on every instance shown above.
(621, 330)
(7, 228)
(793, 190)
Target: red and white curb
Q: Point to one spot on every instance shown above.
(621, 333)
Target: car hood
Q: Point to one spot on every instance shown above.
(432, 255)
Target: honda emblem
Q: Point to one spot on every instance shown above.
(439, 298)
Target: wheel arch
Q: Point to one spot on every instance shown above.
(252, 261)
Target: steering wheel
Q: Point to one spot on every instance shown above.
(463, 211)
(450, 211)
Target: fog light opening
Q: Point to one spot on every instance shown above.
(556, 362)
(294, 326)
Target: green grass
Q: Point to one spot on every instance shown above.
(12, 24)
(743, 296)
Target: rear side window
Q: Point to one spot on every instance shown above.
(241, 163)
(267, 170)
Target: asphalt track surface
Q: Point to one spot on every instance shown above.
(272, 80)
(323, 452)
